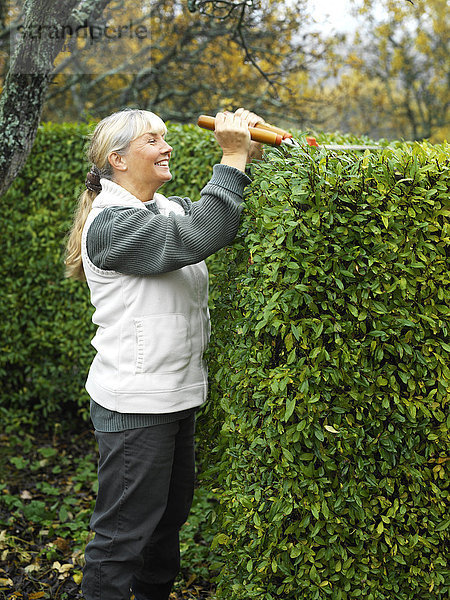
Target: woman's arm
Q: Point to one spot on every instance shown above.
(140, 242)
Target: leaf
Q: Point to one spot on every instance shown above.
(325, 510)
(318, 330)
(289, 342)
(353, 310)
(78, 577)
(32, 568)
(288, 454)
(443, 525)
(412, 410)
(330, 429)
(290, 407)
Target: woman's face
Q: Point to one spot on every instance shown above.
(147, 160)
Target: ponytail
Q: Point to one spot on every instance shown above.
(73, 262)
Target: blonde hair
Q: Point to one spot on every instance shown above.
(113, 134)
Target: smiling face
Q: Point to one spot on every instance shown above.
(147, 161)
(138, 156)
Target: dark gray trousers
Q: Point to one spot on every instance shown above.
(146, 484)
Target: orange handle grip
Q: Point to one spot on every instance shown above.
(311, 141)
(257, 134)
(284, 134)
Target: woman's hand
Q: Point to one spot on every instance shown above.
(232, 134)
(256, 149)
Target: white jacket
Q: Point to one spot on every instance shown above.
(152, 331)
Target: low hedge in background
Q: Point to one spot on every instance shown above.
(330, 369)
(45, 319)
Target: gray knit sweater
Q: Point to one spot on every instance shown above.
(146, 243)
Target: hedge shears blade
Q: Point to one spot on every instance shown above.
(311, 141)
(275, 136)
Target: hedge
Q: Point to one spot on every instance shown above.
(45, 318)
(326, 432)
(330, 370)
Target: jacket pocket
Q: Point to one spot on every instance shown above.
(163, 343)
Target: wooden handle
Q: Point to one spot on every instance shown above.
(284, 134)
(258, 134)
(206, 122)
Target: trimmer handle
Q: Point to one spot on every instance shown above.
(260, 133)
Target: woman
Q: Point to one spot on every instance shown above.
(142, 256)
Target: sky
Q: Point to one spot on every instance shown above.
(333, 15)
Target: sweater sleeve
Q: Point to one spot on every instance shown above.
(139, 242)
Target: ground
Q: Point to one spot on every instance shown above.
(47, 492)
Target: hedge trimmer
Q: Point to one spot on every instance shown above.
(274, 136)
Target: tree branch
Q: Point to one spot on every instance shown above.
(29, 75)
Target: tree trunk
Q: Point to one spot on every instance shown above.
(42, 36)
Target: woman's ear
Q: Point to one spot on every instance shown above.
(117, 161)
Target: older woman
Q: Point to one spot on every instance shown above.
(142, 256)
